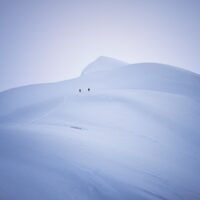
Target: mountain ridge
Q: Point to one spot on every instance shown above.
(128, 132)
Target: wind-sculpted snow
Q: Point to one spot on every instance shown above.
(103, 64)
(133, 135)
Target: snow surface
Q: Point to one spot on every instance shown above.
(134, 135)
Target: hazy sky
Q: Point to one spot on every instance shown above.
(52, 40)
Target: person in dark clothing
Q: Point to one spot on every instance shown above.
(79, 90)
(88, 89)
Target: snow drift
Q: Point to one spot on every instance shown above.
(134, 135)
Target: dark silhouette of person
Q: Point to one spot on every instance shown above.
(79, 90)
(88, 89)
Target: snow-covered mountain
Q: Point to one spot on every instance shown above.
(119, 131)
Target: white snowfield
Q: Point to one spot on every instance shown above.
(135, 135)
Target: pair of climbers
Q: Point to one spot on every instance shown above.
(87, 90)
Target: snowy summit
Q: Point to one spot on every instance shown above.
(119, 131)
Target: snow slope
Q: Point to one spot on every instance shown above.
(134, 135)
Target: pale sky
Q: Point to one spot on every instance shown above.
(53, 40)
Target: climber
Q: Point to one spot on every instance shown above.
(79, 90)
